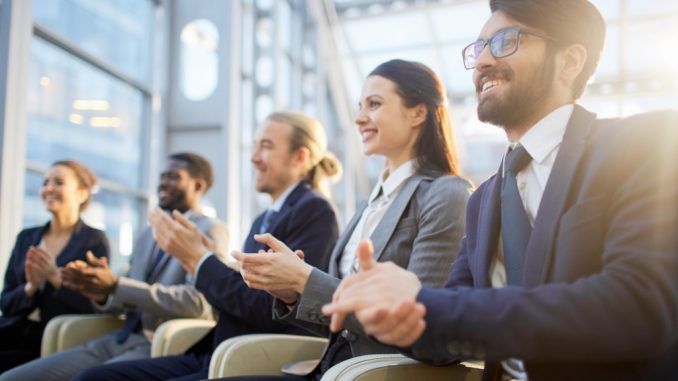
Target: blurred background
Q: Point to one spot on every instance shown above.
(119, 84)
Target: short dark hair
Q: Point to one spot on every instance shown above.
(417, 84)
(197, 166)
(567, 22)
(86, 178)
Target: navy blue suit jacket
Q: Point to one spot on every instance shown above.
(600, 291)
(52, 302)
(307, 221)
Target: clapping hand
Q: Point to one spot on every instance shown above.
(383, 298)
(93, 278)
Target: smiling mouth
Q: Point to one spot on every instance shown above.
(490, 84)
(367, 133)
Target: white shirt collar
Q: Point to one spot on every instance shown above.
(394, 180)
(545, 136)
(277, 204)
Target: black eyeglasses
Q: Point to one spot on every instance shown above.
(504, 43)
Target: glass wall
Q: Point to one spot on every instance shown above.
(89, 100)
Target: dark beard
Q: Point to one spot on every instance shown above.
(177, 201)
(522, 102)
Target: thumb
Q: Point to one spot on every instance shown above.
(94, 261)
(272, 242)
(365, 255)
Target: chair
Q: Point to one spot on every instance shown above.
(67, 331)
(177, 335)
(262, 354)
(265, 354)
(171, 337)
(395, 367)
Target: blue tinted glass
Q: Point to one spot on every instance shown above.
(119, 32)
(77, 111)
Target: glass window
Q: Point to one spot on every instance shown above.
(78, 111)
(655, 54)
(199, 59)
(119, 32)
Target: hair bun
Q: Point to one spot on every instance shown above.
(330, 166)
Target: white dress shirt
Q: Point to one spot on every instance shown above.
(382, 196)
(542, 142)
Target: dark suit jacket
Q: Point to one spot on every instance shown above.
(52, 302)
(307, 221)
(600, 295)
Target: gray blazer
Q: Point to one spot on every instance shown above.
(168, 291)
(421, 231)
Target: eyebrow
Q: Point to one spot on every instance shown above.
(371, 96)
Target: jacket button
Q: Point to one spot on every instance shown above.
(313, 316)
(453, 348)
(349, 336)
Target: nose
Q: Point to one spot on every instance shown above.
(485, 60)
(256, 156)
(360, 118)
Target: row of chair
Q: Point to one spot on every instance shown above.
(260, 354)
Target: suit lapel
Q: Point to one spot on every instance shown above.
(343, 240)
(540, 247)
(488, 234)
(384, 230)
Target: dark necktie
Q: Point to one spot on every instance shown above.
(133, 319)
(515, 225)
(266, 221)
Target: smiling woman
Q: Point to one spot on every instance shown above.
(32, 292)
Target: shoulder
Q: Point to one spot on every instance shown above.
(312, 198)
(444, 187)
(30, 234)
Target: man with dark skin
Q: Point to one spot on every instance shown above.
(156, 288)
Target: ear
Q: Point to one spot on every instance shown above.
(302, 155)
(200, 185)
(418, 114)
(82, 195)
(573, 59)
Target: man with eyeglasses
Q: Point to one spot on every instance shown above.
(569, 268)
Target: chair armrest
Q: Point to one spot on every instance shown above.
(177, 335)
(67, 331)
(262, 354)
(395, 367)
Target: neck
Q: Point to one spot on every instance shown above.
(275, 195)
(516, 131)
(64, 222)
(395, 161)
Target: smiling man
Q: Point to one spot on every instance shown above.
(569, 267)
(155, 289)
(291, 165)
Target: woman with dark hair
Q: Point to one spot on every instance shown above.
(414, 216)
(32, 292)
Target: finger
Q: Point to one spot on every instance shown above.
(300, 254)
(409, 331)
(396, 321)
(183, 221)
(238, 256)
(366, 255)
(92, 260)
(272, 242)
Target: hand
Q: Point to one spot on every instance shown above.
(93, 279)
(180, 238)
(383, 298)
(42, 267)
(281, 272)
